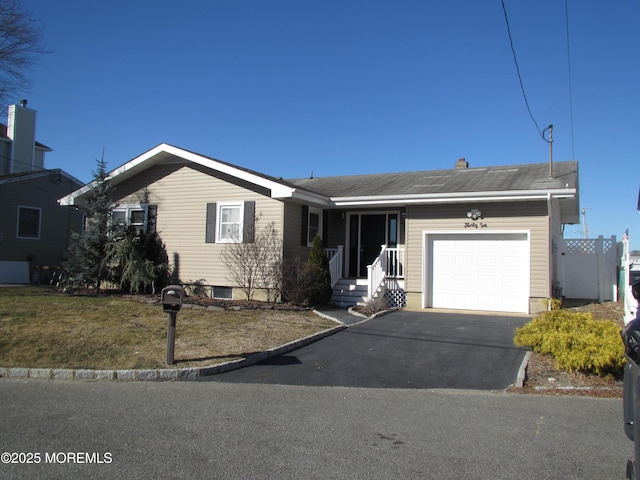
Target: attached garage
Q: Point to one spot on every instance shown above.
(477, 271)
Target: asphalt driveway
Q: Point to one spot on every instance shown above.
(402, 349)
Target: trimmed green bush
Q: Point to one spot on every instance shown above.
(576, 341)
(318, 266)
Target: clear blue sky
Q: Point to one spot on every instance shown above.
(344, 87)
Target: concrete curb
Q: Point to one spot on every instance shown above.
(164, 374)
(370, 317)
(522, 372)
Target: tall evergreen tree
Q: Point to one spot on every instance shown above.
(88, 255)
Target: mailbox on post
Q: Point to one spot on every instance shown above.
(171, 299)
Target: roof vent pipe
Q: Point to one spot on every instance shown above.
(462, 164)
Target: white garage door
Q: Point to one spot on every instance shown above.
(479, 272)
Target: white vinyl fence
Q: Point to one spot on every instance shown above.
(588, 268)
(629, 303)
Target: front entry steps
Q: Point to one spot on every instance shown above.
(348, 292)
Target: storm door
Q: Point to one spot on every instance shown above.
(367, 233)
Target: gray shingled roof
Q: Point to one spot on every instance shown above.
(484, 179)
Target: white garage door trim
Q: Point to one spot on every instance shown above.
(487, 271)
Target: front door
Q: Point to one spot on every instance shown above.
(367, 234)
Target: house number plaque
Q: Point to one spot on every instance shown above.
(475, 225)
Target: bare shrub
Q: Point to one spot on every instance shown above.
(257, 264)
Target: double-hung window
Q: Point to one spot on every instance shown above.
(29, 222)
(314, 224)
(135, 216)
(230, 221)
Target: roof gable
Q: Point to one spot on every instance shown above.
(55, 174)
(165, 153)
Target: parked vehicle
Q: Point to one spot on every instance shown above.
(631, 400)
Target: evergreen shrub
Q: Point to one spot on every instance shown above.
(318, 268)
(576, 341)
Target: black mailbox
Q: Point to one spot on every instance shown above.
(171, 298)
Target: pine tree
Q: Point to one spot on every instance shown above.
(88, 257)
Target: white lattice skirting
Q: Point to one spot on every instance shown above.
(396, 298)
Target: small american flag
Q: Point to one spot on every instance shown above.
(625, 235)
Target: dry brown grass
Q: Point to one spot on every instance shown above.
(40, 328)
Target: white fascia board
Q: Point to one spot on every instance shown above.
(147, 156)
(305, 196)
(516, 195)
(277, 189)
(71, 198)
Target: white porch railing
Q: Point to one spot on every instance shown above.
(388, 264)
(335, 263)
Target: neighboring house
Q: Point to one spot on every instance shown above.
(465, 238)
(34, 229)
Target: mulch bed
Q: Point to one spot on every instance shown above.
(542, 377)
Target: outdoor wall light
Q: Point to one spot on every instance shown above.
(474, 214)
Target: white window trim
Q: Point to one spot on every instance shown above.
(219, 207)
(313, 211)
(39, 223)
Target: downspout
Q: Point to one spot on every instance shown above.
(552, 254)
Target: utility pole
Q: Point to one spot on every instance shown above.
(585, 227)
(550, 151)
(550, 130)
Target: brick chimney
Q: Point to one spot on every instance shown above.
(462, 164)
(21, 129)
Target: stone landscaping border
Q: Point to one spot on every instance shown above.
(160, 374)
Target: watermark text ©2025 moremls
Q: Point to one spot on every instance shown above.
(94, 458)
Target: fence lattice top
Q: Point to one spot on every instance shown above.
(587, 245)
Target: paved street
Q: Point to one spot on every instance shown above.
(403, 349)
(241, 431)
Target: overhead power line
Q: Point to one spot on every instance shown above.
(515, 60)
(566, 15)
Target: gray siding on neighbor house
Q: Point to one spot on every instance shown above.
(520, 216)
(5, 156)
(56, 222)
(181, 194)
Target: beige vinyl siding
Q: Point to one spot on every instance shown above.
(520, 216)
(337, 221)
(293, 234)
(293, 247)
(181, 194)
(56, 222)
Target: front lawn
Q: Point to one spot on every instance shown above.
(41, 328)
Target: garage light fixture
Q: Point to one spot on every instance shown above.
(474, 214)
